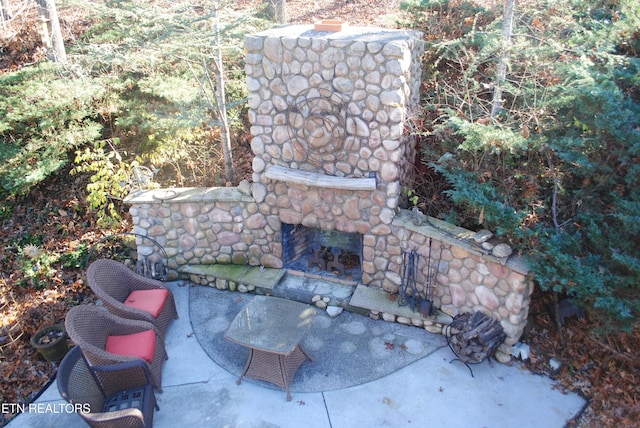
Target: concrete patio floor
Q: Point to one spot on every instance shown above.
(429, 392)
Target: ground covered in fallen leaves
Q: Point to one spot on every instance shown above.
(45, 240)
(49, 231)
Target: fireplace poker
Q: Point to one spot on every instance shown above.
(407, 297)
(426, 306)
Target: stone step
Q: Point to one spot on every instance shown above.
(378, 300)
(290, 285)
(232, 276)
(293, 285)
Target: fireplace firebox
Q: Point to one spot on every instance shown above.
(327, 253)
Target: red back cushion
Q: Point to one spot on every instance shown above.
(151, 301)
(141, 345)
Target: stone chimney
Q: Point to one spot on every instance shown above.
(330, 117)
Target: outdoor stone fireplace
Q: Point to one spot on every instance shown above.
(331, 115)
(331, 118)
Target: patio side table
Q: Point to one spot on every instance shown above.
(272, 328)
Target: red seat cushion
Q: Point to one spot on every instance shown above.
(141, 345)
(151, 301)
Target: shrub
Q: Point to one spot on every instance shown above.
(555, 171)
(45, 113)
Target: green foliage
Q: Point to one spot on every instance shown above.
(556, 171)
(39, 267)
(164, 59)
(36, 266)
(443, 17)
(483, 200)
(76, 258)
(43, 116)
(411, 195)
(110, 179)
(137, 79)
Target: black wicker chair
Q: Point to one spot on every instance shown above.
(112, 396)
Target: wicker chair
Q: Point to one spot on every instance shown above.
(113, 283)
(114, 396)
(91, 327)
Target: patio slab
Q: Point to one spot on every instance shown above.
(347, 350)
(432, 391)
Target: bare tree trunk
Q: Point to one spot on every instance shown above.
(277, 9)
(501, 73)
(5, 11)
(556, 224)
(221, 101)
(51, 32)
(556, 309)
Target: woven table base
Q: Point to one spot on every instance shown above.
(274, 368)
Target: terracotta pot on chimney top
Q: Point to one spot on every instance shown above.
(332, 25)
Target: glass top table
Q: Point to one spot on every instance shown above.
(272, 328)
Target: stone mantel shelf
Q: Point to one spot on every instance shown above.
(188, 195)
(312, 179)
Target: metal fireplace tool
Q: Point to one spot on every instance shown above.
(409, 294)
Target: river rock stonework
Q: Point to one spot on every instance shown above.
(465, 277)
(335, 105)
(200, 226)
(330, 118)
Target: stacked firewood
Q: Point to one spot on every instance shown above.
(474, 337)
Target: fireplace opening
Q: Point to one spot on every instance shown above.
(327, 253)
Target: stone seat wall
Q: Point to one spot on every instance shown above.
(207, 226)
(203, 226)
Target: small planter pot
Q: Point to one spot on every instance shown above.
(51, 342)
